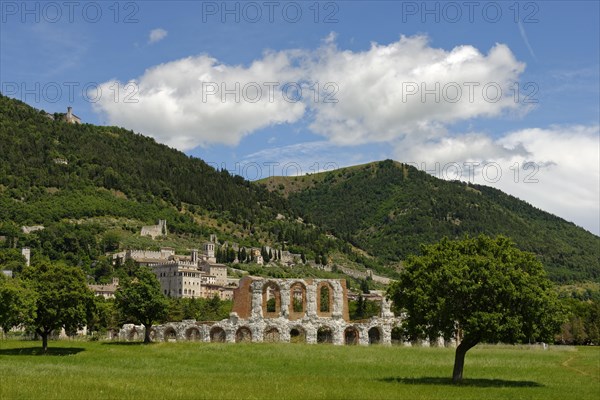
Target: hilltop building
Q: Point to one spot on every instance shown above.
(71, 118)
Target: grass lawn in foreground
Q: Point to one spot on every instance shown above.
(109, 370)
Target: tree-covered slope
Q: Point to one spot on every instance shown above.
(389, 209)
(93, 188)
(37, 153)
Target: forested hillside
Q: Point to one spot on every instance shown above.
(389, 209)
(93, 187)
(40, 153)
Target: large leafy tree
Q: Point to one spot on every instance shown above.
(476, 290)
(62, 298)
(139, 298)
(17, 303)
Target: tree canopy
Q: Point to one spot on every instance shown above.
(139, 298)
(476, 290)
(17, 303)
(62, 298)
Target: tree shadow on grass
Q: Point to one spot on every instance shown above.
(37, 351)
(476, 382)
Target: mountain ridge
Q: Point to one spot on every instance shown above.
(386, 201)
(376, 214)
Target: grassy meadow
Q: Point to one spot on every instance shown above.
(105, 370)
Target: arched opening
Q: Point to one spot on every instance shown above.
(324, 299)
(324, 335)
(193, 334)
(397, 335)
(170, 335)
(272, 335)
(297, 301)
(350, 336)
(217, 335)
(271, 300)
(243, 335)
(297, 335)
(133, 335)
(374, 335)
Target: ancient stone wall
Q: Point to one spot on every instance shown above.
(282, 310)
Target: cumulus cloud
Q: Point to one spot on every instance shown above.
(410, 88)
(156, 35)
(197, 101)
(555, 169)
(402, 89)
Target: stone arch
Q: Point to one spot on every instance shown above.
(297, 301)
(243, 335)
(271, 300)
(193, 334)
(324, 334)
(297, 335)
(272, 335)
(351, 335)
(134, 334)
(218, 335)
(375, 335)
(324, 299)
(170, 334)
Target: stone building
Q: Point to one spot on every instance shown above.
(192, 278)
(26, 253)
(186, 276)
(155, 230)
(71, 118)
(107, 291)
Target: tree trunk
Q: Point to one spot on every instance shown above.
(147, 333)
(44, 336)
(459, 359)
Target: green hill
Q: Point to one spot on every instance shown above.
(93, 187)
(389, 209)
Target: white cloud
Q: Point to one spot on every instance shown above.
(174, 104)
(380, 99)
(378, 93)
(383, 91)
(156, 35)
(556, 169)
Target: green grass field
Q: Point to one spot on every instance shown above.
(97, 370)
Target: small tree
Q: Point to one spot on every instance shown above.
(140, 299)
(62, 299)
(484, 289)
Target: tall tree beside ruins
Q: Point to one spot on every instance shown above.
(483, 288)
(140, 300)
(62, 299)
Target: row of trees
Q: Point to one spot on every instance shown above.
(47, 297)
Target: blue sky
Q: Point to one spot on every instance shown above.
(160, 67)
